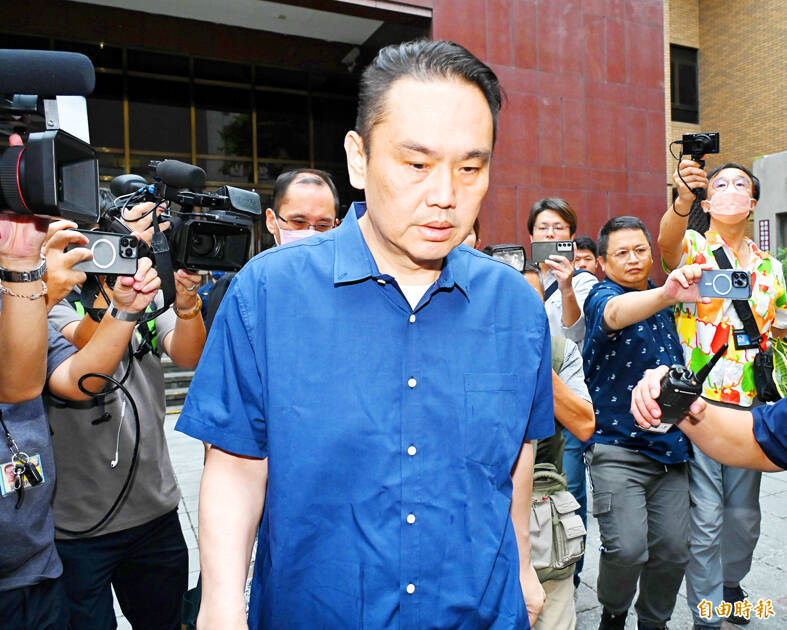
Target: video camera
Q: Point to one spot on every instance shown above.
(54, 173)
(217, 239)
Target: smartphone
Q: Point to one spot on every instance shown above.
(113, 254)
(730, 284)
(543, 250)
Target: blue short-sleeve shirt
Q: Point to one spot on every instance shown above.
(770, 431)
(390, 431)
(614, 363)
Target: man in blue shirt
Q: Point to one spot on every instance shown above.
(639, 479)
(376, 388)
(754, 439)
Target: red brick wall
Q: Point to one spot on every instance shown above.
(584, 118)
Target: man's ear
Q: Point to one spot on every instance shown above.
(601, 264)
(270, 221)
(705, 205)
(356, 159)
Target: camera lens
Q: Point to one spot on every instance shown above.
(203, 244)
(739, 280)
(128, 252)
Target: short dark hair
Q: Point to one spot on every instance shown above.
(421, 59)
(319, 178)
(619, 223)
(585, 242)
(755, 183)
(557, 205)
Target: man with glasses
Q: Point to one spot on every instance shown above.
(725, 513)
(305, 202)
(639, 479)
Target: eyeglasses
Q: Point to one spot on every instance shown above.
(641, 252)
(301, 224)
(545, 228)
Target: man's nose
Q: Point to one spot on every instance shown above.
(442, 191)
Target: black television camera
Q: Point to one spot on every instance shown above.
(216, 239)
(53, 173)
(679, 388)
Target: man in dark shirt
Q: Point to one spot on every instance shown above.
(639, 479)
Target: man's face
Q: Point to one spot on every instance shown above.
(304, 205)
(550, 226)
(584, 259)
(427, 172)
(730, 179)
(629, 258)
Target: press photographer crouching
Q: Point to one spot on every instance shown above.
(33, 357)
(115, 506)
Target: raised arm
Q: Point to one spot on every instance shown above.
(573, 412)
(186, 341)
(635, 306)
(723, 434)
(23, 329)
(676, 218)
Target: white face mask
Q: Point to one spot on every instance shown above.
(290, 236)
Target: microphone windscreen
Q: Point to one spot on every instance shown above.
(46, 73)
(181, 175)
(125, 184)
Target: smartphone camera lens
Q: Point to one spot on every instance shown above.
(739, 280)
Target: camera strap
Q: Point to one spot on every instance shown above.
(743, 309)
(166, 273)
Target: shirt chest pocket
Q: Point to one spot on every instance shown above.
(490, 408)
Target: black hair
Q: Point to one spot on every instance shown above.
(585, 242)
(106, 200)
(556, 205)
(319, 178)
(755, 183)
(424, 60)
(619, 223)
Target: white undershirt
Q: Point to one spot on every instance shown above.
(414, 292)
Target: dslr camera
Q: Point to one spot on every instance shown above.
(698, 144)
(54, 173)
(216, 239)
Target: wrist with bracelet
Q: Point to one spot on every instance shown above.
(123, 316)
(22, 277)
(192, 312)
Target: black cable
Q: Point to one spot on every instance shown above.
(118, 385)
(694, 192)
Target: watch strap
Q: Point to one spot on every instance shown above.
(8, 275)
(123, 316)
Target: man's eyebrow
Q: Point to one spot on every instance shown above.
(482, 154)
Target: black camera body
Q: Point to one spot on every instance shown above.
(53, 173)
(216, 239)
(698, 144)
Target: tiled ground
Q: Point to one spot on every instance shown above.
(767, 579)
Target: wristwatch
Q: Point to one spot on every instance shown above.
(7, 275)
(123, 316)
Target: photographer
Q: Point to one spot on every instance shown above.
(731, 192)
(639, 480)
(756, 439)
(30, 592)
(139, 549)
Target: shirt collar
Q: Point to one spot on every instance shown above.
(714, 240)
(353, 260)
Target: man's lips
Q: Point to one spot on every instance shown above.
(436, 230)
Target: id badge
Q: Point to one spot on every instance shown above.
(742, 340)
(8, 476)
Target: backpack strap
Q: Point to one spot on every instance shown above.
(548, 293)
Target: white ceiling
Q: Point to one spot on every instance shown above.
(260, 15)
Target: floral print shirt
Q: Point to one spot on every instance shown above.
(704, 328)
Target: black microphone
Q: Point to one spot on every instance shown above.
(46, 73)
(125, 184)
(180, 175)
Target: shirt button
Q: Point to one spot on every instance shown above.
(410, 588)
(411, 518)
(411, 383)
(411, 450)
(412, 318)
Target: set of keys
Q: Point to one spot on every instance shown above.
(24, 470)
